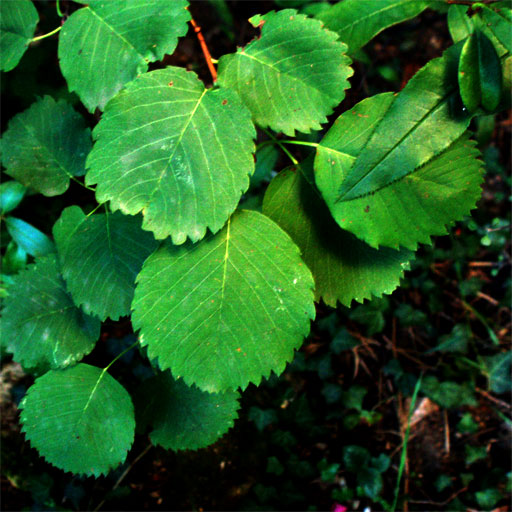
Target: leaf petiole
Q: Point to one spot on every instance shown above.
(44, 36)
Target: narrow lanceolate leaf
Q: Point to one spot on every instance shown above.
(292, 76)
(479, 73)
(79, 419)
(46, 145)
(11, 194)
(100, 256)
(344, 267)
(229, 310)
(184, 417)
(29, 238)
(41, 325)
(394, 169)
(109, 43)
(460, 24)
(358, 21)
(178, 152)
(18, 20)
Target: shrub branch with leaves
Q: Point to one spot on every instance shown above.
(220, 296)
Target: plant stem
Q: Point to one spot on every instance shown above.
(301, 143)
(93, 210)
(83, 184)
(403, 457)
(59, 12)
(206, 52)
(119, 356)
(280, 144)
(38, 38)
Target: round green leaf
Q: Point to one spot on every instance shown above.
(344, 267)
(45, 145)
(226, 311)
(480, 77)
(18, 20)
(79, 419)
(292, 76)
(183, 417)
(11, 194)
(395, 170)
(178, 152)
(107, 44)
(100, 256)
(40, 323)
(29, 238)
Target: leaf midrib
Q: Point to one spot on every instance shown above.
(437, 106)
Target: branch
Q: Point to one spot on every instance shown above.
(206, 52)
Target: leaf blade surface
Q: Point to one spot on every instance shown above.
(291, 77)
(46, 145)
(228, 310)
(344, 267)
(107, 44)
(79, 419)
(41, 325)
(174, 150)
(100, 257)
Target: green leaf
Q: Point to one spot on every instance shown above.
(45, 145)
(183, 417)
(480, 77)
(475, 453)
(344, 267)
(358, 21)
(80, 420)
(292, 76)
(30, 239)
(456, 341)
(174, 150)
(107, 44)
(460, 24)
(100, 257)
(394, 170)
(18, 20)
(229, 310)
(355, 458)
(499, 369)
(488, 498)
(14, 259)
(370, 480)
(11, 194)
(448, 394)
(40, 324)
(266, 159)
(499, 23)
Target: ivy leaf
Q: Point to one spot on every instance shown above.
(460, 24)
(479, 73)
(46, 145)
(100, 257)
(183, 417)
(174, 150)
(11, 194)
(344, 267)
(292, 76)
(229, 310)
(358, 21)
(394, 170)
(18, 22)
(498, 372)
(41, 325)
(29, 238)
(79, 419)
(107, 44)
